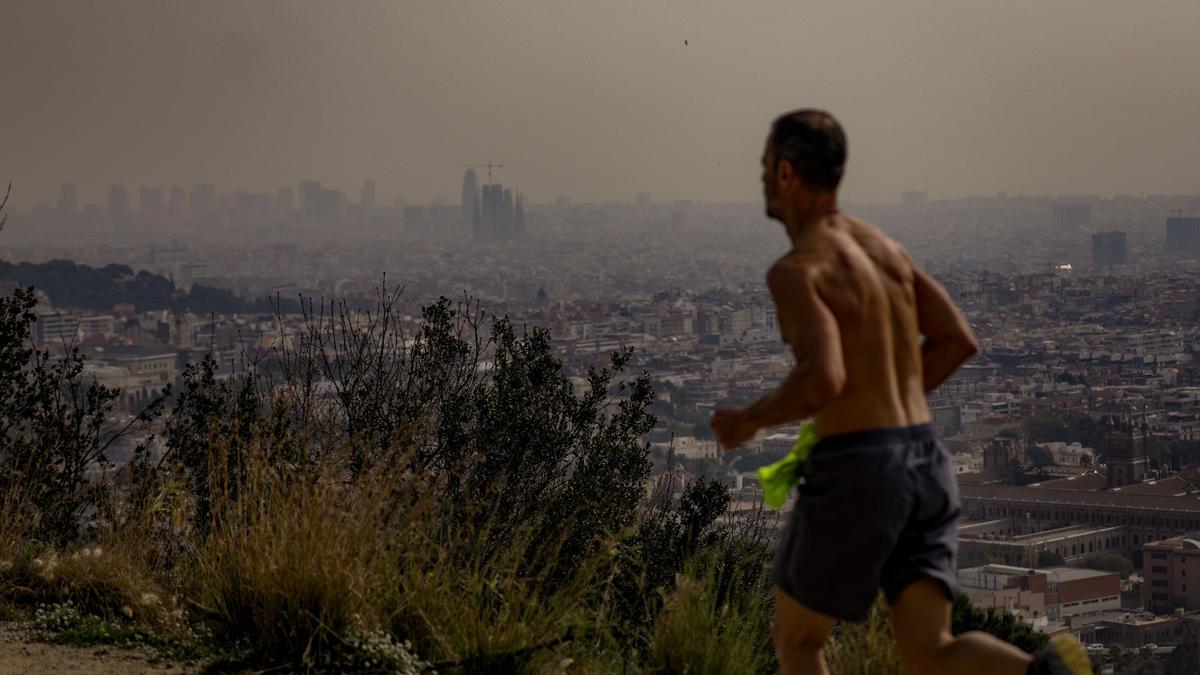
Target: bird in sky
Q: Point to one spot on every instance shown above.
(685, 43)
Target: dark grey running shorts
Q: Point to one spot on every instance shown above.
(878, 508)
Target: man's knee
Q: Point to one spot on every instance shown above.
(799, 634)
(921, 626)
(797, 638)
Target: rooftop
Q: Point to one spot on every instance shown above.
(1189, 504)
(1189, 541)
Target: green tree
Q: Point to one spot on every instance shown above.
(1186, 453)
(211, 427)
(1040, 455)
(1067, 427)
(1050, 559)
(1184, 660)
(57, 427)
(966, 617)
(1135, 662)
(1109, 562)
(669, 534)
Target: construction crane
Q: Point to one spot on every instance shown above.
(487, 164)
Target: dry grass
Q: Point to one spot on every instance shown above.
(694, 635)
(12, 532)
(110, 582)
(480, 612)
(864, 648)
(293, 564)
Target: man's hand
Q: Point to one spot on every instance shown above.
(733, 427)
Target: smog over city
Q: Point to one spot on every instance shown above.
(489, 281)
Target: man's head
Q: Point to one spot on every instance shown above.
(804, 157)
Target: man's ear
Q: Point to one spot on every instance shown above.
(784, 170)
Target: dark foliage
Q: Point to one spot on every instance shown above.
(491, 414)
(669, 535)
(56, 428)
(1068, 427)
(211, 414)
(83, 287)
(1109, 562)
(966, 617)
(1050, 559)
(1184, 453)
(1185, 660)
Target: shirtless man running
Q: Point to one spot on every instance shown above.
(880, 502)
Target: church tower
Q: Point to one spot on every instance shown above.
(1127, 441)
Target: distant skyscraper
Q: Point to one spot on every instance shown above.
(505, 229)
(519, 218)
(1110, 249)
(329, 210)
(202, 203)
(642, 199)
(178, 202)
(285, 202)
(914, 198)
(310, 201)
(487, 207)
(150, 201)
(118, 204)
(499, 214)
(1183, 236)
(470, 199)
(367, 197)
(68, 199)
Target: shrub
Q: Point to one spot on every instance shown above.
(293, 565)
(1109, 562)
(966, 617)
(473, 609)
(696, 633)
(110, 583)
(56, 428)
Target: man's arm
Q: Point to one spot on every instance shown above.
(819, 374)
(812, 331)
(949, 341)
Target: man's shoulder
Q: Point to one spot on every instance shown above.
(793, 268)
(864, 231)
(881, 248)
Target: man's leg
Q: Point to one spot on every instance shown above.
(800, 635)
(921, 626)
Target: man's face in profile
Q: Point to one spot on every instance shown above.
(770, 182)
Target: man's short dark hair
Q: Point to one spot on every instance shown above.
(814, 143)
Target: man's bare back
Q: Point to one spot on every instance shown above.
(867, 281)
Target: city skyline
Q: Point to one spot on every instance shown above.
(600, 102)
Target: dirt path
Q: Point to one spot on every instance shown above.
(21, 653)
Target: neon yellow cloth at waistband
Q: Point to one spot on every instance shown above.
(777, 479)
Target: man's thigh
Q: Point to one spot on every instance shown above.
(797, 626)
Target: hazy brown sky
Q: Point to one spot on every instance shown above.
(600, 99)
